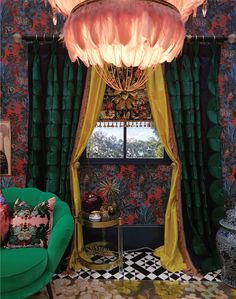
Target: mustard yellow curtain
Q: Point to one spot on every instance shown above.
(91, 106)
(170, 254)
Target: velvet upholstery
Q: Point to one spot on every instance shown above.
(25, 271)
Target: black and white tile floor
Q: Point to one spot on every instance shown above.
(139, 265)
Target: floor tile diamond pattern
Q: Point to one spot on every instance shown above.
(141, 266)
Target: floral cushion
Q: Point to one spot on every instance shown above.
(31, 227)
(4, 219)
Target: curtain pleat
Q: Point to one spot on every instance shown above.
(170, 254)
(189, 102)
(192, 149)
(56, 95)
(91, 107)
(35, 145)
(67, 116)
(213, 135)
(74, 122)
(52, 127)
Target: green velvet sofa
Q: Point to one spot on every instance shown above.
(25, 271)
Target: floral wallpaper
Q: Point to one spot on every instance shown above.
(28, 17)
(140, 192)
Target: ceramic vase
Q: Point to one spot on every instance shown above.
(91, 202)
(226, 246)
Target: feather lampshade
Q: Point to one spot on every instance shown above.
(124, 33)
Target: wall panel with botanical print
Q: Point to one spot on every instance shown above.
(140, 191)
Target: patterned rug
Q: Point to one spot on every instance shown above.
(142, 278)
(136, 289)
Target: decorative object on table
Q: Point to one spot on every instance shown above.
(104, 213)
(109, 188)
(112, 209)
(95, 216)
(4, 218)
(87, 179)
(226, 246)
(91, 202)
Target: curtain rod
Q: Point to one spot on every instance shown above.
(231, 38)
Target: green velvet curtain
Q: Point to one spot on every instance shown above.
(53, 120)
(56, 89)
(35, 145)
(71, 109)
(192, 82)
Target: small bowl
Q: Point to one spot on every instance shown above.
(95, 216)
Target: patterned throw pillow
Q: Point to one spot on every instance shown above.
(4, 219)
(31, 227)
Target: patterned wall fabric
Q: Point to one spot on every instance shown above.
(140, 192)
(33, 17)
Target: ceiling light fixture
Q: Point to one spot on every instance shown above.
(124, 34)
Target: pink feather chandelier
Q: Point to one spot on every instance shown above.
(123, 34)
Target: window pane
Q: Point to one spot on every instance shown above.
(143, 142)
(106, 143)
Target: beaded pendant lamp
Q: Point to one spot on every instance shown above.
(122, 38)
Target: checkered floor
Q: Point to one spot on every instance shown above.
(139, 265)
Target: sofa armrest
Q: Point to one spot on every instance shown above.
(59, 240)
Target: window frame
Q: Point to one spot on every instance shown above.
(126, 161)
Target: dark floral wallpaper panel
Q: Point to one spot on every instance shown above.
(139, 191)
(28, 17)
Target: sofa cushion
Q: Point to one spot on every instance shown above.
(4, 219)
(31, 227)
(21, 266)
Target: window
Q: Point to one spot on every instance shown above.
(125, 143)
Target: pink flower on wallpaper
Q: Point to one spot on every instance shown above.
(150, 195)
(147, 203)
(131, 202)
(126, 171)
(158, 192)
(130, 219)
(232, 175)
(234, 121)
(155, 193)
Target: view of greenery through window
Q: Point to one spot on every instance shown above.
(125, 143)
